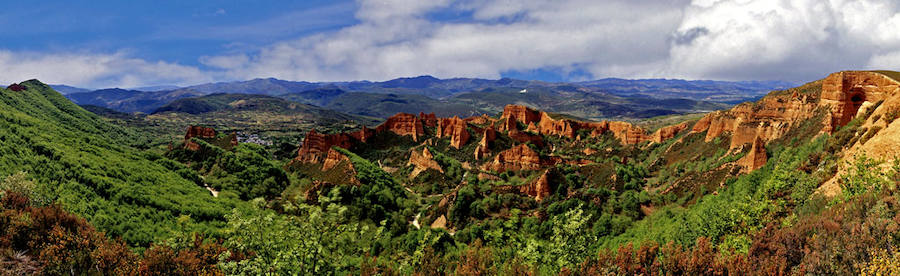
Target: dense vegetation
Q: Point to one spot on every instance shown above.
(82, 195)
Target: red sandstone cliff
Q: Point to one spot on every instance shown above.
(543, 123)
(208, 135)
(422, 162)
(520, 157)
(756, 158)
(483, 148)
(455, 128)
(315, 145)
(539, 189)
(403, 124)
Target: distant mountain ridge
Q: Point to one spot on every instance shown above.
(599, 99)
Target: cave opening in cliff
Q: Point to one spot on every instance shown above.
(857, 98)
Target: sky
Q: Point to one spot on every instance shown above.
(111, 43)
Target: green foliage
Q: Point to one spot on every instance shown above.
(245, 171)
(89, 167)
(315, 241)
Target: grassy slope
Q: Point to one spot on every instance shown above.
(89, 168)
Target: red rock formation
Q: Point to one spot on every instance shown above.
(455, 128)
(770, 118)
(209, 135)
(403, 124)
(842, 95)
(520, 114)
(844, 92)
(422, 162)
(756, 158)
(668, 132)
(429, 119)
(199, 132)
(333, 159)
(315, 145)
(539, 189)
(16, 87)
(484, 119)
(520, 157)
(543, 123)
(504, 125)
(483, 148)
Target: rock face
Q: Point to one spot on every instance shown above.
(842, 95)
(520, 157)
(316, 145)
(422, 162)
(845, 92)
(484, 119)
(539, 189)
(429, 119)
(16, 87)
(455, 128)
(483, 148)
(769, 118)
(209, 135)
(520, 113)
(403, 124)
(199, 132)
(756, 158)
(543, 123)
(668, 132)
(333, 159)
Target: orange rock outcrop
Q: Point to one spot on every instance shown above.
(539, 189)
(333, 159)
(842, 94)
(455, 128)
(316, 145)
(422, 162)
(845, 92)
(756, 158)
(668, 132)
(483, 148)
(543, 123)
(209, 135)
(520, 157)
(769, 118)
(484, 119)
(521, 114)
(429, 120)
(403, 124)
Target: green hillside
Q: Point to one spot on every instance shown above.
(88, 166)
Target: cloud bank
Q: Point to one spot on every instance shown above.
(794, 40)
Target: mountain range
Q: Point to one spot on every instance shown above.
(608, 98)
(803, 180)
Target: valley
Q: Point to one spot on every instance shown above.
(460, 176)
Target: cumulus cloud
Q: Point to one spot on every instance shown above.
(95, 70)
(784, 39)
(795, 40)
(397, 38)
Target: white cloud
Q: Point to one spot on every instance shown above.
(396, 38)
(95, 70)
(797, 40)
(784, 39)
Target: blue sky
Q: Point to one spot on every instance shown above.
(140, 43)
(174, 31)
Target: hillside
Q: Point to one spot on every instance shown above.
(89, 167)
(801, 181)
(130, 101)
